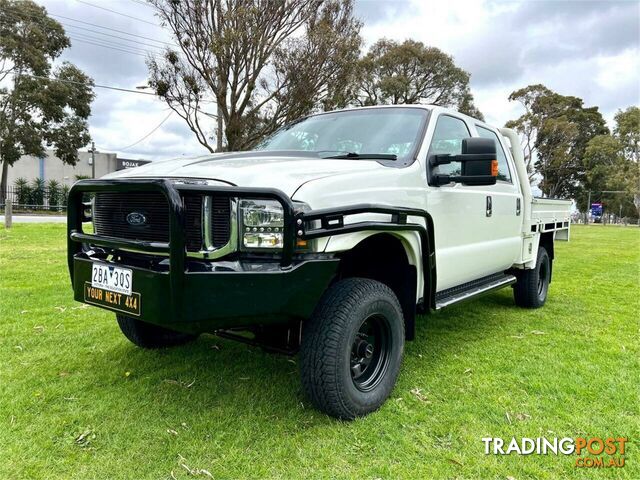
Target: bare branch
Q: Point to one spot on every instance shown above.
(264, 62)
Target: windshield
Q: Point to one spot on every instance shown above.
(391, 131)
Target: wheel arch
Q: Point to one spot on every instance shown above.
(392, 258)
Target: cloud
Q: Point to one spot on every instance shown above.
(373, 11)
(583, 48)
(567, 32)
(590, 49)
(113, 58)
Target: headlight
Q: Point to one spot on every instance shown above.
(262, 224)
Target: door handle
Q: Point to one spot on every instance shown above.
(489, 209)
(518, 206)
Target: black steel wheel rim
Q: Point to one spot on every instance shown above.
(543, 279)
(370, 353)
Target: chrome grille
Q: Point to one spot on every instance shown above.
(220, 225)
(193, 222)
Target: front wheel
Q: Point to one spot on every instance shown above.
(352, 348)
(532, 286)
(147, 335)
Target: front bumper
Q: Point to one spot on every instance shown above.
(259, 294)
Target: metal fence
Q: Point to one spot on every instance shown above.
(30, 198)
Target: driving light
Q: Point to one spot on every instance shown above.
(262, 224)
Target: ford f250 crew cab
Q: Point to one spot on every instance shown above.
(326, 240)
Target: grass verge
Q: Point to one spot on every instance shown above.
(79, 401)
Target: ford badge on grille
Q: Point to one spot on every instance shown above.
(136, 219)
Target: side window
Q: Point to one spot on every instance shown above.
(503, 166)
(447, 139)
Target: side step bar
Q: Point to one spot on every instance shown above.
(473, 289)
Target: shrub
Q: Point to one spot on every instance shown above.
(55, 194)
(37, 192)
(23, 191)
(64, 191)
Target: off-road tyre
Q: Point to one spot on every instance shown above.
(147, 335)
(355, 317)
(532, 286)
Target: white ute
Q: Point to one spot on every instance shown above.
(326, 240)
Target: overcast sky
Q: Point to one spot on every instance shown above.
(589, 49)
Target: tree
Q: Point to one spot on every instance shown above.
(410, 72)
(41, 105)
(528, 124)
(262, 62)
(627, 129)
(556, 130)
(603, 153)
(611, 164)
(468, 107)
(602, 157)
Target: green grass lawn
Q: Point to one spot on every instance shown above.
(78, 401)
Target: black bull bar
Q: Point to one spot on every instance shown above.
(297, 225)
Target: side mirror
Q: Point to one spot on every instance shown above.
(479, 165)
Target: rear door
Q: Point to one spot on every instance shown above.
(505, 222)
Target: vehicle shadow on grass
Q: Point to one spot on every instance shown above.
(462, 324)
(217, 375)
(474, 314)
(211, 374)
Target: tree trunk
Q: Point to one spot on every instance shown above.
(3, 182)
(220, 131)
(233, 129)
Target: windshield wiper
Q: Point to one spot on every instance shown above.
(364, 156)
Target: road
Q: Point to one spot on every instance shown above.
(36, 219)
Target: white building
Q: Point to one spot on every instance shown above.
(50, 167)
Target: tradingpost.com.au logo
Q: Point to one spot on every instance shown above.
(594, 452)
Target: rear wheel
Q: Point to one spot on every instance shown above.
(147, 335)
(530, 291)
(352, 348)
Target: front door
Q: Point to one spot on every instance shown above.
(470, 242)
